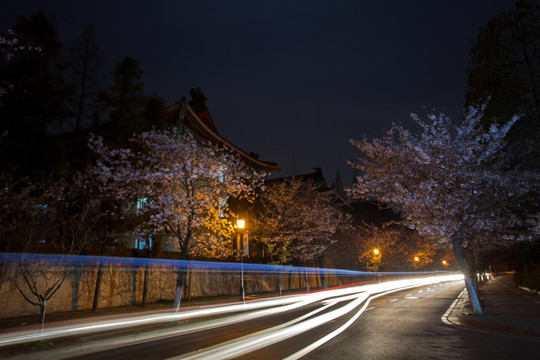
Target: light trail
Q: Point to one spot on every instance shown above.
(271, 306)
(250, 310)
(261, 339)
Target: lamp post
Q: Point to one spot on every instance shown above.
(243, 245)
(376, 261)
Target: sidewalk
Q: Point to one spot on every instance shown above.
(507, 309)
(54, 320)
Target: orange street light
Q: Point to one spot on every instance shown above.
(376, 251)
(240, 223)
(416, 258)
(243, 246)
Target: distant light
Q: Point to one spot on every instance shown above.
(416, 258)
(444, 262)
(376, 251)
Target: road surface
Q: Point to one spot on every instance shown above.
(400, 325)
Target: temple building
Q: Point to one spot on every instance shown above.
(195, 116)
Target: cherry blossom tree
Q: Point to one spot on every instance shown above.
(399, 248)
(180, 186)
(450, 181)
(296, 221)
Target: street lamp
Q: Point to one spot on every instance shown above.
(243, 245)
(240, 223)
(375, 262)
(416, 258)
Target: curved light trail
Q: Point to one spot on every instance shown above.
(261, 339)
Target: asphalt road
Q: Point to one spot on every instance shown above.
(407, 325)
(401, 325)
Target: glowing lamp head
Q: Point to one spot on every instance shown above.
(444, 262)
(240, 223)
(416, 258)
(376, 251)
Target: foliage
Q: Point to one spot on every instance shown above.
(131, 112)
(397, 248)
(526, 264)
(34, 99)
(529, 277)
(450, 181)
(504, 68)
(55, 216)
(297, 221)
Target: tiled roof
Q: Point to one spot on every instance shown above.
(202, 125)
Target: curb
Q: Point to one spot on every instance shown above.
(466, 319)
(457, 315)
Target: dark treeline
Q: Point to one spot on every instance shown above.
(52, 96)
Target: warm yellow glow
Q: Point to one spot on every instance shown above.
(376, 251)
(240, 223)
(444, 262)
(416, 258)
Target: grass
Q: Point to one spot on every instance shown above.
(39, 345)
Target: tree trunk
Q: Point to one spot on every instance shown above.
(290, 279)
(469, 277)
(306, 279)
(75, 288)
(42, 309)
(187, 286)
(184, 246)
(95, 303)
(470, 260)
(278, 282)
(179, 287)
(134, 285)
(145, 285)
(321, 273)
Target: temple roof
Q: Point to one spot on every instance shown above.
(201, 124)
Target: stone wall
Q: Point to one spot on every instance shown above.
(123, 285)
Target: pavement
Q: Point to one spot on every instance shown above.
(507, 308)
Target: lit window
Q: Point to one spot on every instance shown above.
(222, 176)
(222, 206)
(141, 203)
(144, 244)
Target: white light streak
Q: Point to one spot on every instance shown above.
(261, 339)
(227, 314)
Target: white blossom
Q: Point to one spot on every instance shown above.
(182, 179)
(464, 197)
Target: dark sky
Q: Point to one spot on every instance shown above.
(289, 80)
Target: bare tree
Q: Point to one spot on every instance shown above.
(86, 76)
(51, 217)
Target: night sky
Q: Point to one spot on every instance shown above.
(289, 80)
